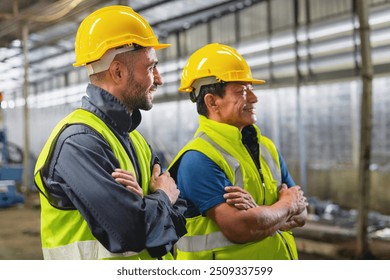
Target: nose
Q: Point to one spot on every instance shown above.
(158, 80)
(251, 96)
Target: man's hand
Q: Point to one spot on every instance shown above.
(239, 198)
(295, 221)
(128, 180)
(294, 199)
(299, 219)
(165, 183)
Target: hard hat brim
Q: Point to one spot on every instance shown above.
(254, 81)
(160, 46)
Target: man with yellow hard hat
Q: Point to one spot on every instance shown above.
(102, 194)
(242, 202)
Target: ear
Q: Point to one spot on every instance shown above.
(211, 102)
(116, 71)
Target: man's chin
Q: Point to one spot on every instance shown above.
(253, 119)
(147, 107)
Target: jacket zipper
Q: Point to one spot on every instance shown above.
(285, 243)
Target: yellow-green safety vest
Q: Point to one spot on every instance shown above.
(222, 144)
(65, 233)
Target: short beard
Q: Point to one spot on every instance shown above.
(137, 100)
(136, 95)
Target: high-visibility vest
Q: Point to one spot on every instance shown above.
(65, 233)
(222, 144)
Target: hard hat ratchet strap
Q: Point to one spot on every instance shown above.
(104, 63)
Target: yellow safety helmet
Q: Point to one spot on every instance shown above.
(112, 27)
(214, 63)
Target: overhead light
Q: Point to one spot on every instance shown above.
(254, 47)
(381, 17)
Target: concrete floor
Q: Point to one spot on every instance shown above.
(20, 238)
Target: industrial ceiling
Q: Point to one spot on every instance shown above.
(50, 26)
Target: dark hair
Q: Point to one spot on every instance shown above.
(99, 78)
(216, 89)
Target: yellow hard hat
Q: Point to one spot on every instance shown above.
(221, 62)
(112, 27)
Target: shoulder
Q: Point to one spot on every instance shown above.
(76, 141)
(198, 167)
(197, 161)
(79, 133)
(201, 182)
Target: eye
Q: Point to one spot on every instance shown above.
(246, 89)
(153, 68)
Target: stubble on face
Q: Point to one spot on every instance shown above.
(137, 94)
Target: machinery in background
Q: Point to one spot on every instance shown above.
(11, 172)
(11, 168)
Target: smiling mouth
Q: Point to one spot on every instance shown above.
(152, 90)
(252, 109)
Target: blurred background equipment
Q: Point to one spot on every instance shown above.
(11, 171)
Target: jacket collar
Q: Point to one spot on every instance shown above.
(230, 133)
(216, 129)
(110, 109)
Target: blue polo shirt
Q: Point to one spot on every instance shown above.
(202, 182)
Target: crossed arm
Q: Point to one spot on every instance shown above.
(162, 182)
(241, 220)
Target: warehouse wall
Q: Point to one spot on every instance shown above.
(312, 65)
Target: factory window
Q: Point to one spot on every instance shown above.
(281, 20)
(197, 37)
(320, 9)
(253, 21)
(223, 30)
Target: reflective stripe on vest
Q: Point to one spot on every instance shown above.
(84, 250)
(272, 164)
(235, 165)
(207, 242)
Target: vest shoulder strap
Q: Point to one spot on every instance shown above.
(206, 146)
(83, 117)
